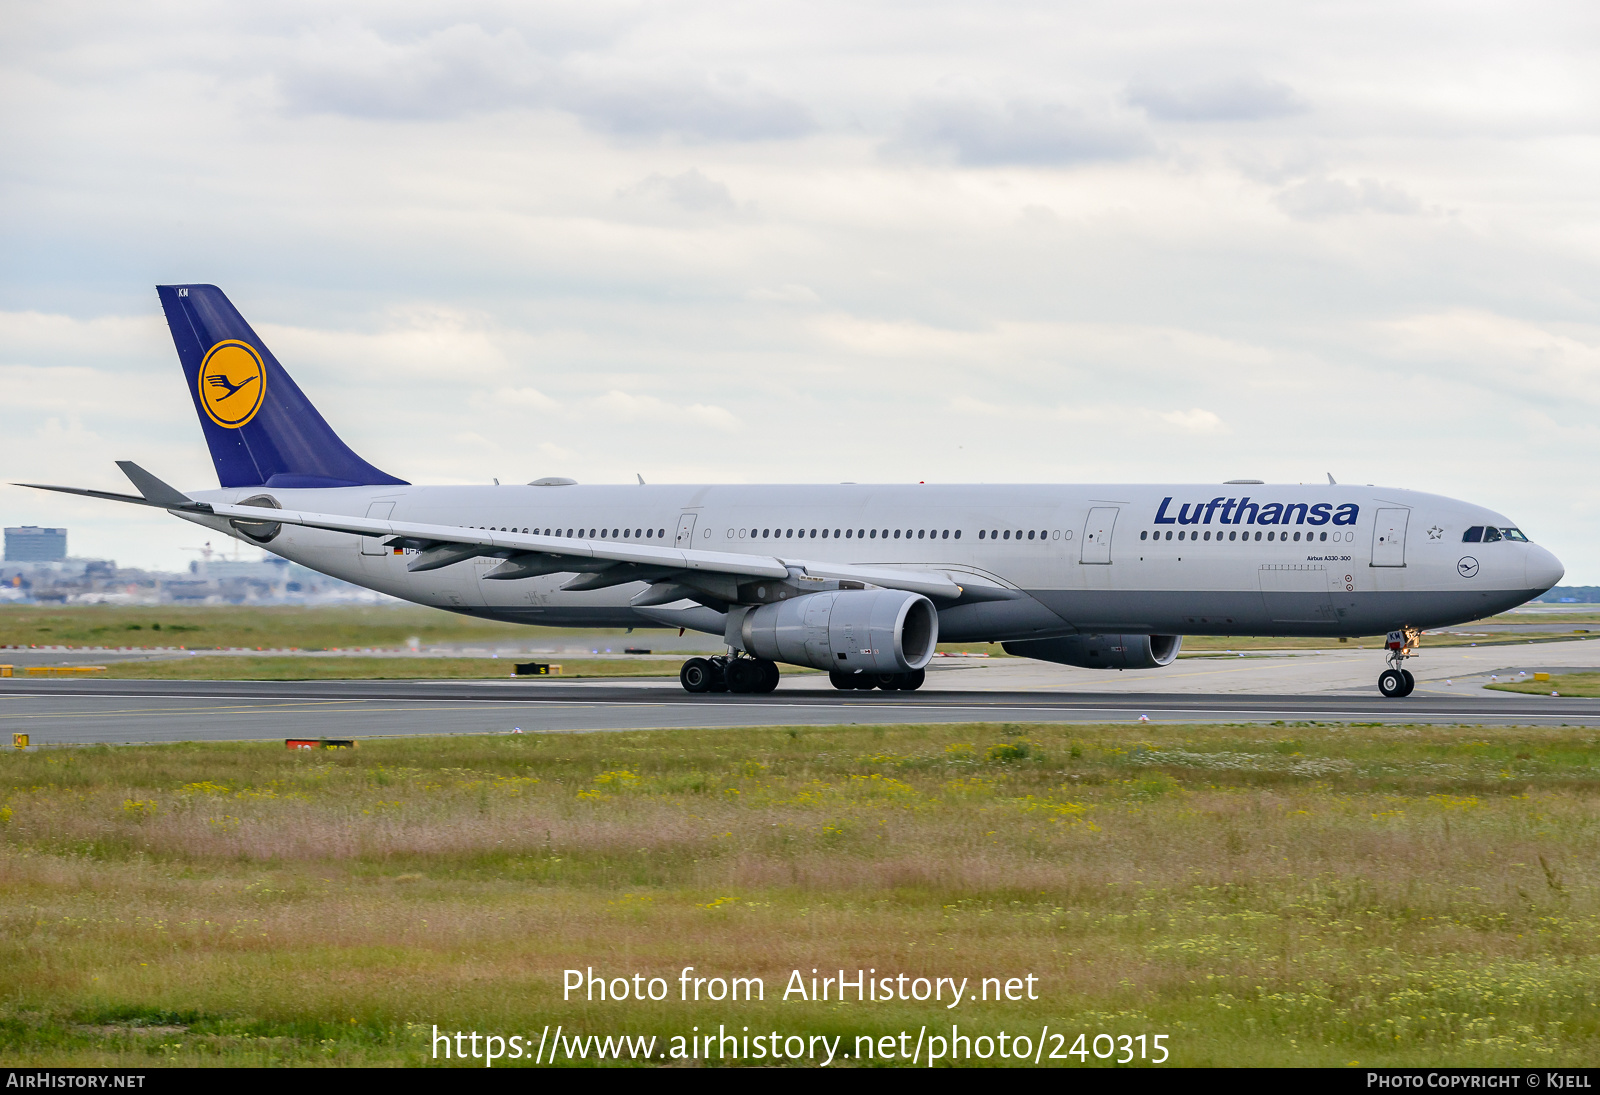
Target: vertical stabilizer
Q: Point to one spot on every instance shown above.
(260, 427)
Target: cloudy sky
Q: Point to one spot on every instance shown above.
(1028, 242)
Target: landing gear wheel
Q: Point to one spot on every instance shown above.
(1391, 683)
(1411, 682)
(889, 682)
(696, 675)
(772, 676)
(745, 675)
(910, 682)
(844, 682)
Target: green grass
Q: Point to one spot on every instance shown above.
(272, 627)
(1296, 894)
(242, 667)
(1568, 684)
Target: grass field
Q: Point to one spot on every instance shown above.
(1568, 684)
(236, 667)
(1262, 895)
(273, 627)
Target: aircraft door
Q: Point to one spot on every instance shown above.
(1097, 534)
(685, 531)
(373, 545)
(1389, 538)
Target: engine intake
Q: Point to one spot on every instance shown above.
(872, 630)
(1101, 651)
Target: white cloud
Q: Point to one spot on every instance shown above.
(983, 132)
(1319, 199)
(1230, 100)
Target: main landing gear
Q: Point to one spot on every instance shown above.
(889, 682)
(725, 673)
(1396, 681)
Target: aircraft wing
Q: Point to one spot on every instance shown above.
(673, 573)
(527, 555)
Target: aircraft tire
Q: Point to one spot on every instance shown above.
(745, 675)
(1411, 682)
(844, 682)
(770, 676)
(910, 682)
(696, 675)
(889, 682)
(1391, 683)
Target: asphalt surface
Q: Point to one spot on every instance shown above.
(89, 711)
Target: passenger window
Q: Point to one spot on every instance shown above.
(958, 534)
(897, 534)
(849, 533)
(1169, 534)
(1324, 536)
(1145, 535)
(1030, 534)
(1208, 534)
(1008, 534)
(835, 533)
(1473, 535)
(860, 532)
(874, 535)
(1297, 537)
(1491, 535)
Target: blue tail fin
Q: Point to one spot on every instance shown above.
(261, 428)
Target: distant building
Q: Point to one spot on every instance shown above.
(32, 544)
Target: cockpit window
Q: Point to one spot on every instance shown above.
(1491, 535)
(1473, 535)
(1514, 534)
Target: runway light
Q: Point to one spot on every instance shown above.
(516, 729)
(1146, 718)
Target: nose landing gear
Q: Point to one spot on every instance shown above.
(728, 674)
(1396, 681)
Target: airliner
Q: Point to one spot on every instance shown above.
(861, 581)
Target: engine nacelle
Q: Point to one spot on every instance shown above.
(1102, 651)
(872, 630)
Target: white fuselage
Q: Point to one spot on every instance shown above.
(1235, 559)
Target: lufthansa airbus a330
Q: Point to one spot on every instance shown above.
(859, 580)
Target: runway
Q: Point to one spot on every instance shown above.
(86, 712)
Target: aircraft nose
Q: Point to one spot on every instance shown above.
(1543, 569)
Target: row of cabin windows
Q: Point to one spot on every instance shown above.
(850, 534)
(1488, 534)
(1284, 536)
(998, 534)
(593, 534)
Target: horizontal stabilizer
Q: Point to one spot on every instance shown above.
(153, 489)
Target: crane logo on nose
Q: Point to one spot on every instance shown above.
(1467, 567)
(232, 382)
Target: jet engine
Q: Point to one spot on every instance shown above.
(872, 630)
(1101, 651)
